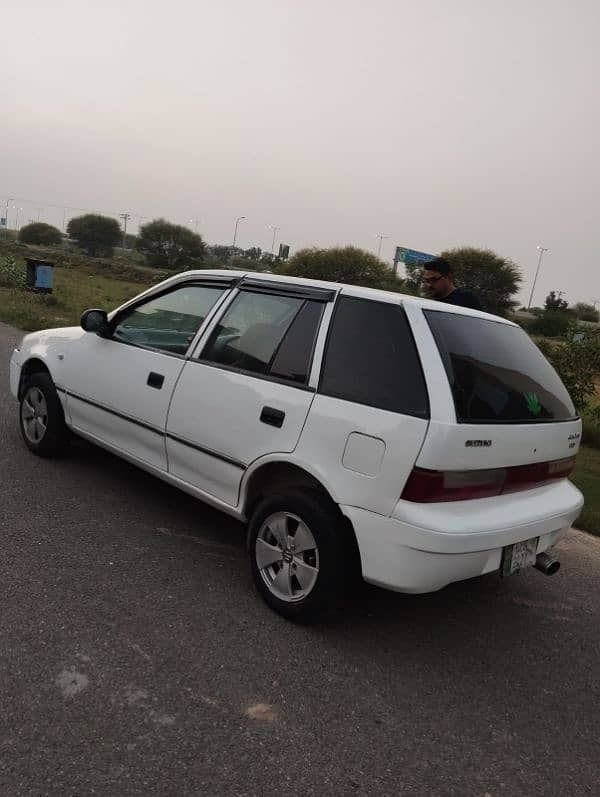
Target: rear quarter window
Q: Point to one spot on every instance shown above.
(496, 372)
(371, 358)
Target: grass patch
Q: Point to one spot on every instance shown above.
(74, 291)
(587, 478)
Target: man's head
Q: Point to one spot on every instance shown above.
(438, 278)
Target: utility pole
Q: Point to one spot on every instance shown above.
(125, 217)
(381, 236)
(39, 210)
(196, 223)
(275, 231)
(541, 249)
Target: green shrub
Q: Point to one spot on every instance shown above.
(552, 324)
(578, 365)
(348, 265)
(586, 312)
(11, 274)
(591, 430)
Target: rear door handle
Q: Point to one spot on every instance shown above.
(272, 416)
(155, 380)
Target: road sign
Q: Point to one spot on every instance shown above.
(284, 251)
(411, 256)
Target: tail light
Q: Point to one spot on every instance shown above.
(432, 486)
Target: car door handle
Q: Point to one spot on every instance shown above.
(272, 416)
(155, 380)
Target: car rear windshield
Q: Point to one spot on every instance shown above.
(496, 372)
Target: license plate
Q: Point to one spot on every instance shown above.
(518, 556)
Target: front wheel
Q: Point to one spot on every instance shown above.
(41, 417)
(298, 558)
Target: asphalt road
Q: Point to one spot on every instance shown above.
(136, 658)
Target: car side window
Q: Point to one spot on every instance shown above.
(266, 334)
(372, 359)
(294, 356)
(170, 321)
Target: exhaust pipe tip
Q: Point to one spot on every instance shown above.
(547, 564)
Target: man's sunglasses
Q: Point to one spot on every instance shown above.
(432, 280)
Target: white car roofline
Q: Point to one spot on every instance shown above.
(355, 291)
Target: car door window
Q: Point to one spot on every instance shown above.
(168, 322)
(266, 334)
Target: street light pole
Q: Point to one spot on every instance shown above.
(542, 249)
(8, 201)
(237, 221)
(381, 236)
(275, 231)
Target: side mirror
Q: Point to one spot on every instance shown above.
(94, 320)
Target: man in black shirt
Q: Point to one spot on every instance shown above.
(438, 278)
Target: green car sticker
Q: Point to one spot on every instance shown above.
(533, 403)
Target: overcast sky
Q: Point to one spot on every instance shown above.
(437, 123)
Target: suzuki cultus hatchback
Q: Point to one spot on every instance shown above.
(423, 443)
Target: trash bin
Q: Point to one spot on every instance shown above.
(40, 274)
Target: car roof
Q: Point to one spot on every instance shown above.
(356, 291)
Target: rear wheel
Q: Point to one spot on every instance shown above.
(298, 557)
(41, 417)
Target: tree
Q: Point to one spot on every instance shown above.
(167, 245)
(586, 312)
(129, 240)
(94, 233)
(253, 253)
(340, 264)
(554, 303)
(220, 254)
(495, 279)
(40, 234)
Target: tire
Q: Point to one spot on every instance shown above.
(299, 584)
(41, 417)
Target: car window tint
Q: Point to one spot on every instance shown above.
(168, 322)
(251, 331)
(372, 359)
(294, 356)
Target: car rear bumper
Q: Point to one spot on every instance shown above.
(15, 373)
(408, 557)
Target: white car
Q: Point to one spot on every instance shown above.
(423, 443)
